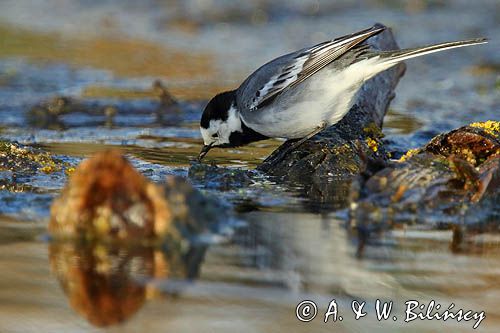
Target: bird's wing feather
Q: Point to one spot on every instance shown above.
(274, 77)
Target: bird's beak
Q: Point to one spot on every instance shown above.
(204, 151)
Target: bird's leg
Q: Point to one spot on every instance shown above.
(317, 130)
(296, 144)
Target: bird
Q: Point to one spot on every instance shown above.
(299, 94)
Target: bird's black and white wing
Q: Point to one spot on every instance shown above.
(270, 80)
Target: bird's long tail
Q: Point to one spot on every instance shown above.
(393, 57)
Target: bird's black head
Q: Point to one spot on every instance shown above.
(221, 125)
(220, 118)
(218, 108)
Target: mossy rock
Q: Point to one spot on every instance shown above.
(24, 159)
(453, 180)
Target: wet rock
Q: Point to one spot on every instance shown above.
(163, 95)
(102, 111)
(168, 104)
(245, 190)
(28, 178)
(339, 153)
(218, 178)
(106, 197)
(47, 114)
(8, 182)
(193, 212)
(453, 180)
(20, 159)
(105, 284)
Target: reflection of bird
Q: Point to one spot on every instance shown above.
(299, 94)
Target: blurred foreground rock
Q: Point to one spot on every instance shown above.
(347, 148)
(106, 197)
(113, 231)
(453, 181)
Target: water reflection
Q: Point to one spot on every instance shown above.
(108, 284)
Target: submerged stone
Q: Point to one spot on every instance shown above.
(222, 179)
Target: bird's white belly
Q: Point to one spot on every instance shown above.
(327, 96)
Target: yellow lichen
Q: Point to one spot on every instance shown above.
(373, 130)
(491, 127)
(373, 144)
(69, 171)
(466, 154)
(47, 169)
(44, 160)
(409, 154)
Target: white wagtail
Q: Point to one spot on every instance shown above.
(301, 93)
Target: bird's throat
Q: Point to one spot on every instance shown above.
(241, 134)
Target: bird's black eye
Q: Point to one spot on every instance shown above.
(215, 135)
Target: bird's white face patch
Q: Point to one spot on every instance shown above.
(219, 131)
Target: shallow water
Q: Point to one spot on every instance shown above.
(282, 252)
